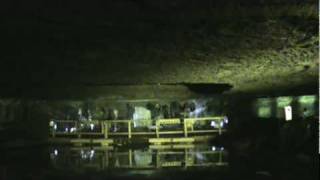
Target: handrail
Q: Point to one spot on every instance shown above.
(188, 123)
(161, 120)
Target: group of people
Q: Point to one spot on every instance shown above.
(174, 110)
(89, 111)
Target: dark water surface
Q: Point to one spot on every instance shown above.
(190, 161)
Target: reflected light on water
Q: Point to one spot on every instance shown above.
(99, 158)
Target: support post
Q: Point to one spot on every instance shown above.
(157, 128)
(130, 158)
(106, 130)
(158, 163)
(53, 133)
(192, 125)
(105, 162)
(185, 128)
(77, 131)
(102, 126)
(220, 130)
(129, 129)
(185, 158)
(220, 157)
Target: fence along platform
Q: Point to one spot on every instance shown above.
(184, 128)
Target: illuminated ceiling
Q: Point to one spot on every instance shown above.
(254, 46)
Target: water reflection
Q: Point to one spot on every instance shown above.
(152, 157)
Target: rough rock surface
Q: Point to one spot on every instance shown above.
(259, 46)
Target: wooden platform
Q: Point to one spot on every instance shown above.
(184, 131)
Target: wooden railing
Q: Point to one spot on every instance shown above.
(187, 127)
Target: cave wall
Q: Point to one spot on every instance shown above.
(126, 42)
(274, 107)
(23, 119)
(261, 117)
(251, 107)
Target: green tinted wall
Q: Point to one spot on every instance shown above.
(274, 107)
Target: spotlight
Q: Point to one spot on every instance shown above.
(91, 154)
(221, 124)
(56, 152)
(73, 129)
(213, 124)
(226, 120)
(91, 126)
(51, 123)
